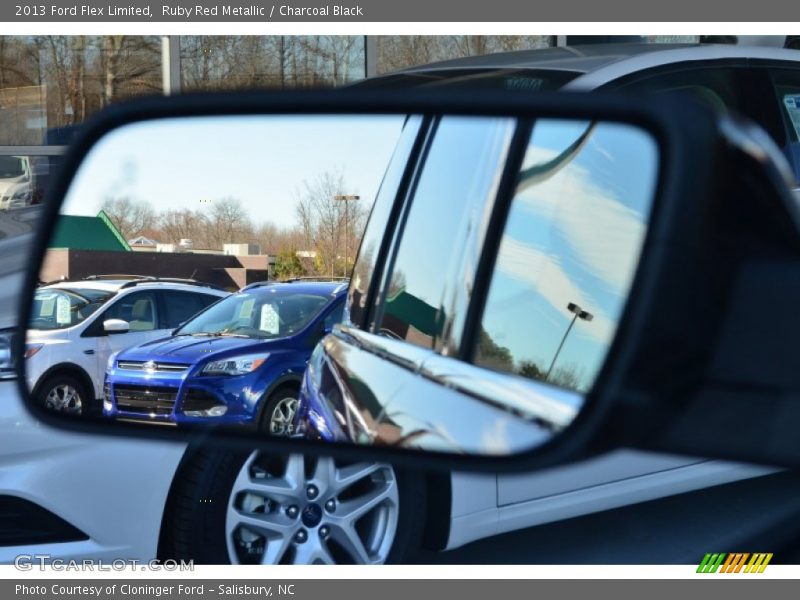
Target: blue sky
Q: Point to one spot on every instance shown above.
(261, 160)
(575, 237)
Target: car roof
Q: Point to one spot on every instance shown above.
(595, 64)
(105, 285)
(114, 285)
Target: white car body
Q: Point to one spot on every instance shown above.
(15, 192)
(69, 346)
(121, 509)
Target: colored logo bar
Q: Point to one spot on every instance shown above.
(735, 562)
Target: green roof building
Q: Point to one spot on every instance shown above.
(88, 233)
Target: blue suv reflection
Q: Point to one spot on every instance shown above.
(240, 361)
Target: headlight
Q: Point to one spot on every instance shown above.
(237, 365)
(6, 355)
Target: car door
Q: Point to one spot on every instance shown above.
(140, 308)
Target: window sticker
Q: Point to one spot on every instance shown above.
(246, 310)
(792, 104)
(48, 305)
(269, 320)
(62, 310)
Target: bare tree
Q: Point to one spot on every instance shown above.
(274, 239)
(178, 224)
(321, 218)
(227, 223)
(127, 65)
(401, 51)
(130, 217)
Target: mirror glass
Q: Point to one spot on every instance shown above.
(209, 271)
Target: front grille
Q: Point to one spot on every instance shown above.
(138, 365)
(145, 399)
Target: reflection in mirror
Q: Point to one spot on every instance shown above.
(166, 218)
(199, 274)
(568, 252)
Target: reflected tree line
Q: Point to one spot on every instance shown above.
(312, 245)
(491, 355)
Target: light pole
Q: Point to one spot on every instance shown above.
(578, 313)
(346, 199)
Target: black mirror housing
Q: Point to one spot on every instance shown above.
(700, 350)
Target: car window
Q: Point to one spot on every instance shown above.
(786, 83)
(460, 175)
(718, 87)
(568, 252)
(334, 317)
(262, 313)
(59, 308)
(379, 221)
(139, 309)
(181, 306)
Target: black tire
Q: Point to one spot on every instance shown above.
(271, 403)
(195, 518)
(58, 379)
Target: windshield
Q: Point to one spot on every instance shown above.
(11, 166)
(262, 313)
(59, 308)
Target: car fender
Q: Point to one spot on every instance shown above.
(67, 367)
(288, 376)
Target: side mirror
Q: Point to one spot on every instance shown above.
(542, 276)
(112, 326)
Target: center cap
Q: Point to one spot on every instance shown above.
(312, 515)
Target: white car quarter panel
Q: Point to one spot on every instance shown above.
(610, 467)
(580, 501)
(472, 493)
(622, 493)
(96, 483)
(63, 347)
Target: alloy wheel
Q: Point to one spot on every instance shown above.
(280, 422)
(64, 398)
(297, 510)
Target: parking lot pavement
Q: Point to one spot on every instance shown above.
(760, 515)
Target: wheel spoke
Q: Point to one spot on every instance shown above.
(312, 553)
(275, 488)
(325, 472)
(295, 470)
(347, 537)
(270, 526)
(355, 508)
(275, 549)
(347, 476)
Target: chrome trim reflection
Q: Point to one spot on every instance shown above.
(550, 406)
